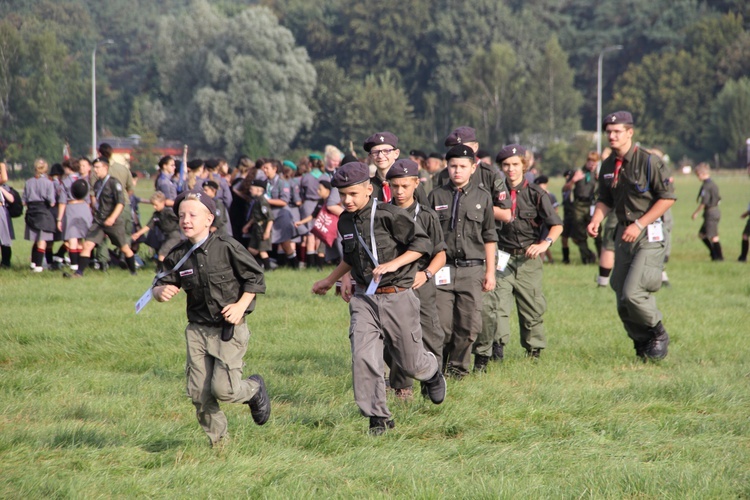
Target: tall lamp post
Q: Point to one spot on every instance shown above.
(93, 93)
(611, 48)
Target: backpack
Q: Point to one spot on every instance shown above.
(16, 208)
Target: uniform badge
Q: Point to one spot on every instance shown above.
(479, 206)
(186, 272)
(609, 176)
(441, 207)
(264, 210)
(347, 236)
(501, 196)
(119, 186)
(218, 212)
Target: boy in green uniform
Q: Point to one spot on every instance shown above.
(165, 219)
(382, 244)
(583, 187)
(521, 245)
(637, 186)
(708, 203)
(465, 212)
(259, 224)
(221, 280)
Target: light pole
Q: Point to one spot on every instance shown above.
(93, 94)
(599, 99)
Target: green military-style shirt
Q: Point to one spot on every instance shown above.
(643, 180)
(709, 195)
(260, 211)
(533, 210)
(468, 226)
(428, 219)
(395, 232)
(166, 220)
(215, 275)
(377, 190)
(109, 197)
(584, 191)
(487, 177)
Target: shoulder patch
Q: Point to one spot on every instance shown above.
(347, 236)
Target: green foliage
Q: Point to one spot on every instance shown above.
(730, 119)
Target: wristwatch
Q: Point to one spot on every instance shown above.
(548, 240)
(428, 274)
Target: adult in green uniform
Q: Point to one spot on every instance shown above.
(521, 244)
(465, 212)
(637, 186)
(583, 187)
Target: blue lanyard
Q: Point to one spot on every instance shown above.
(180, 262)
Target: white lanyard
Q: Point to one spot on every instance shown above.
(374, 253)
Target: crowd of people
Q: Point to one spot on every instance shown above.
(431, 252)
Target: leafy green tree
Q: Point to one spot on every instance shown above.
(220, 74)
(730, 119)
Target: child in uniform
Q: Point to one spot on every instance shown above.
(166, 220)
(221, 280)
(39, 197)
(259, 225)
(708, 203)
(381, 246)
(221, 217)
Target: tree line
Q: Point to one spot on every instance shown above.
(231, 77)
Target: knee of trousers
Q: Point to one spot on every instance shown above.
(222, 390)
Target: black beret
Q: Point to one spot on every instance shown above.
(259, 183)
(568, 173)
(403, 168)
(618, 117)
(350, 174)
(200, 195)
(508, 151)
(436, 155)
(459, 151)
(212, 164)
(195, 164)
(212, 184)
(326, 184)
(101, 159)
(418, 154)
(483, 153)
(348, 158)
(461, 135)
(542, 179)
(56, 169)
(79, 189)
(380, 138)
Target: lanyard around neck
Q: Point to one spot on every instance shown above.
(373, 254)
(180, 262)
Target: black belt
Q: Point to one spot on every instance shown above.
(468, 262)
(514, 251)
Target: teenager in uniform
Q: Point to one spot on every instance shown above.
(164, 182)
(404, 179)
(221, 216)
(583, 187)
(259, 225)
(122, 173)
(279, 194)
(110, 202)
(485, 175)
(543, 181)
(77, 218)
(708, 203)
(466, 216)
(382, 245)
(221, 280)
(637, 186)
(383, 150)
(521, 244)
(39, 197)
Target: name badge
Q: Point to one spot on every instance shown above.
(443, 277)
(186, 272)
(441, 207)
(347, 236)
(655, 231)
(143, 301)
(502, 260)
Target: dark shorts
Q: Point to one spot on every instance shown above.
(255, 239)
(746, 231)
(710, 225)
(115, 232)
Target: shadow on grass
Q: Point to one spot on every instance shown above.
(162, 444)
(81, 438)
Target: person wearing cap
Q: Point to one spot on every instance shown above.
(708, 203)
(637, 186)
(383, 150)
(165, 219)
(583, 186)
(404, 180)
(110, 202)
(521, 244)
(466, 216)
(259, 225)
(221, 280)
(221, 215)
(211, 173)
(420, 158)
(434, 164)
(382, 245)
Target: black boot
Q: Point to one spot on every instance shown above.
(378, 425)
(718, 254)
(745, 247)
(292, 261)
(497, 351)
(480, 363)
(566, 255)
(6, 254)
(707, 242)
(658, 345)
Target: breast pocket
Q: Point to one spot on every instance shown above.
(529, 215)
(226, 284)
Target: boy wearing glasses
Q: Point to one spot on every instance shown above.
(382, 148)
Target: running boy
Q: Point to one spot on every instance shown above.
(166, 220)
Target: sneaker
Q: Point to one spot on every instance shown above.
(260, 405)
(436, 388)
(32, 265)
(480, 363)
(497, 351)
(405, 394)
(37, 269)
(657, 347)
(379, 425)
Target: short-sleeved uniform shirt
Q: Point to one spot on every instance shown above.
(110, 194)
(215, 275)
(395, 232)
(38, 189)
(533, 211)
(643, 180)
(165, 185)
(709, 196)
(466, 218)
(584, 190)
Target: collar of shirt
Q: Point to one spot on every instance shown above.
(628, 157)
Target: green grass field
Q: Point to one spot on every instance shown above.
(94, 405)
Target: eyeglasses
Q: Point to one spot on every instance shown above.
(384, 152)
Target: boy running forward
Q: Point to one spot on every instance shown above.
(466, 216)
(382, 244)
(221, 280)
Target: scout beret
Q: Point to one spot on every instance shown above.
(290, 164)
(212, 164)
(618, 117)
(459, 151)
(418, 154)
(348, 158)
(403, 168)
(326, 184)
(56, 169)
(195, 164)
(259, 183)
(212, 184)
(508, 151)
(100, 159)
(315, 156)
(199, 195)
(380, 138)
(461, 135)
(351, 174)
(79, 189)
(483, 153)
(542, 179)
(436, 155)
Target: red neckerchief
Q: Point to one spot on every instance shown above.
(618, 167)
(513, 197)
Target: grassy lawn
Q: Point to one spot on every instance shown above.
(94, 405)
